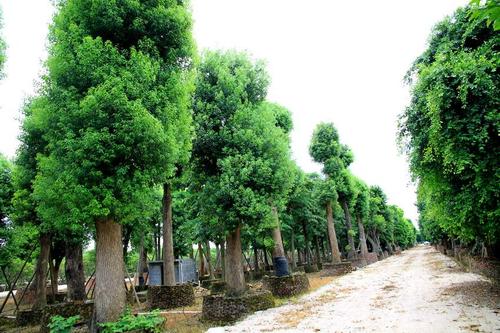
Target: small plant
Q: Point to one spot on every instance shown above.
(59, 324)
(151, 323)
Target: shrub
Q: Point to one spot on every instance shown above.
(150, 323)
(59, 324)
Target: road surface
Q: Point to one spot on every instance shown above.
(419, 291)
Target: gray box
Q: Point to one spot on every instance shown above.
(185, 271)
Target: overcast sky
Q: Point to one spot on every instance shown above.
(329, 60)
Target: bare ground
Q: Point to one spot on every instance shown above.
(419, 291)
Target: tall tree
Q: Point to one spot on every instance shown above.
(326, 149)
(115, 86)
(362, 210)
(450, 130)
(240, 155)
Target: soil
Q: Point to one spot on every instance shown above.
(420, 290)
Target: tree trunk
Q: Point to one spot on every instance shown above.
(292, 249)
(266, 261)
(127, 232)
(306, 243)
(235, 279)
(255, 257)
(40, 282)
(316, 248)
(350, 238)
(202, 260)
(168, 239)
(142, 263)
(278, 250)
(362, 239)
(109, 301)
(75, 276)
(217, 257)
(223, 259)
(208, 255)
(334, 245)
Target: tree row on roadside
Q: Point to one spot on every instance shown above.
(133, 139)
(450, 131)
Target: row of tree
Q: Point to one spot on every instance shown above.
(450, 130)
(131, 131)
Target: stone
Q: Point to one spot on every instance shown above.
(341, 268)
(170, 297)
(359, 262)
(286, 286)
(28, 317)
(228, 309)
(371, 258)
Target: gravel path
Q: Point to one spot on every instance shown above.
(419, 291)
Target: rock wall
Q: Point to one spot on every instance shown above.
(223, 309)
(169, 297)
(286, 286)
(336, 269)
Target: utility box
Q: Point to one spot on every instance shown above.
(155, 273)
(185, 271)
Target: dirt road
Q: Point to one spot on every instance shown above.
(420, 291)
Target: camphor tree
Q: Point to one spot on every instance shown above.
(240, 155)
(115, 74)
(325, 149)
(450, 131)
(362, 211)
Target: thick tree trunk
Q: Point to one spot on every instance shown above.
(362, 239)
(40, 282)
(235, 280)
(109, 301)
(142, 263)
(334, 245)
(292, 249)
(217, 257)
(278, 250)
(208, 255)
(75, 276)
(168, 238)
(351, 254)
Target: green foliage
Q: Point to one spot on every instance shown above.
(489, 10)
(2, 47)
(60, 324)
(115, 109)
(150, 323)
(6, 188)
(450, 130)
(241, 157)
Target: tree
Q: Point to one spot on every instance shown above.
(362, 211)
(326, 149)
(450, 130)
(116, 76)
(240, 155)
(489, 11)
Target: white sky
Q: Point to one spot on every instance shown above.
(329, 60)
